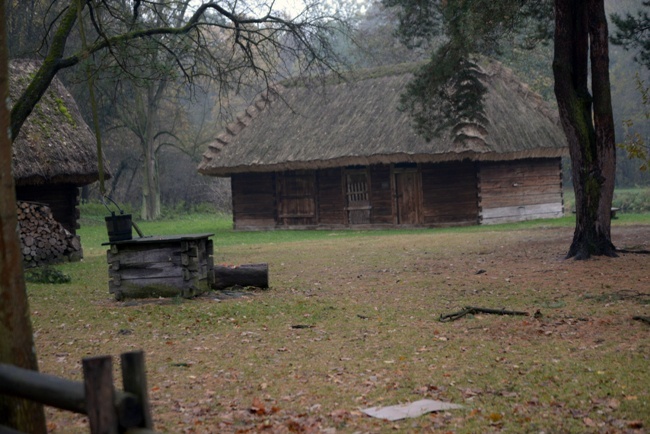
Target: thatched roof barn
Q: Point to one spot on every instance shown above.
(303, 137)
(55, 151)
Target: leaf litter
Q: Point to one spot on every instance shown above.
(580, 366)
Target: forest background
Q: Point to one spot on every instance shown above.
(190, 117)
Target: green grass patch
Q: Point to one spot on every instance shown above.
(629, 200)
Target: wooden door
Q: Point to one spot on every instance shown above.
(296, 198)
(407, 197)
(358, 202)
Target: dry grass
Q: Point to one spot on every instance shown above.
(372, 305)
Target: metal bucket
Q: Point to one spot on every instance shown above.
(119, 227)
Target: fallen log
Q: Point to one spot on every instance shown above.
(256, 275)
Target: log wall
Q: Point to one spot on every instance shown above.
(331, 200)
(520, 190)
(381, 195)
(450, 194)
(253, 200)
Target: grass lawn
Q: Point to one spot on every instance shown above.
(352, 321)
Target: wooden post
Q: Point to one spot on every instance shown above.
(134, 380)
(100, 395)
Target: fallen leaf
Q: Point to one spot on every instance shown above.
(495, 417)
(258, 407)
(589, 422)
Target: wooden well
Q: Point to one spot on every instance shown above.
(160, 266)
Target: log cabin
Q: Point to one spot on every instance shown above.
(55, 152)
(340, 154)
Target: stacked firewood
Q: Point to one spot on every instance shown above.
(44, 240)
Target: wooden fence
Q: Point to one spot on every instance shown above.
(109, 411)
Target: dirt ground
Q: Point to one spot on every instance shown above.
(351, 323)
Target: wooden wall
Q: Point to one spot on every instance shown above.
(62, 199)
(331, 200)
(440, 194)
(450, 194)
(381, 195)
(520, 190)
(253, 200)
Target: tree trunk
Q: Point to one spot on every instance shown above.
(586, 120)
(151, 184)
(45, 74)
(16, 338)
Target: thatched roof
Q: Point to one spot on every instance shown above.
(358, 123)
(54, 145)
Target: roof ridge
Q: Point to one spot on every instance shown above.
(244, 118)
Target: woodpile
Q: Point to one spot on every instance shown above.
(44, 240)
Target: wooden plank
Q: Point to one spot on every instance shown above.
(146, 255)
(528, 166)
(145, 288)
(100, 395)
(519, 182)
(146, 271)
(134, 379)
(520, 200)
(506, 214)
(453, 196)
(451, 219)
(461, 208)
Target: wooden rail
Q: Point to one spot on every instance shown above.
(109, 411)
